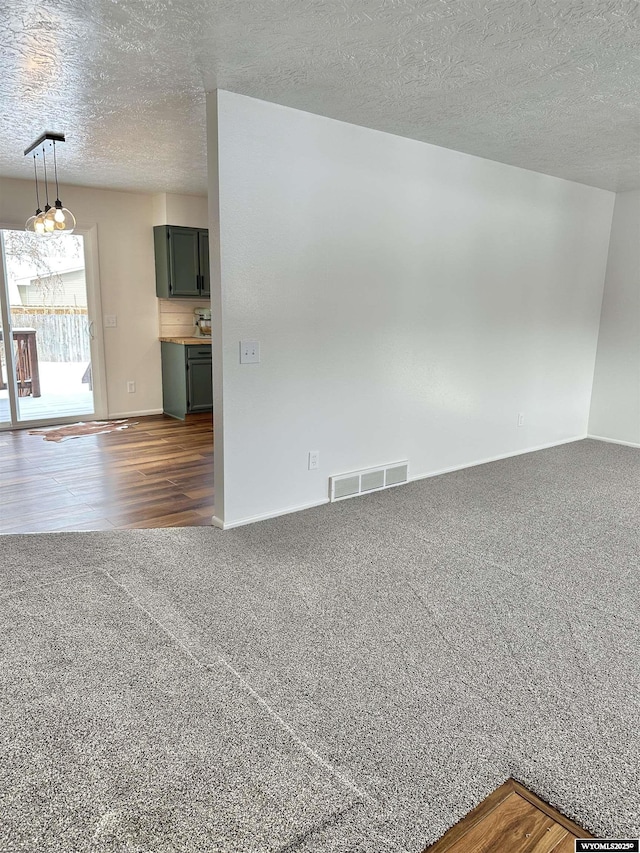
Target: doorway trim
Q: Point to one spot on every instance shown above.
(94, 305)
(8, 349)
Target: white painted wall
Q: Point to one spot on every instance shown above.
(159, 214)
(127, 279)
(188, 210)
(615, 404)
(409, 300)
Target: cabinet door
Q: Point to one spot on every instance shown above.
(184, 262)
(205, 281)
(199, 385)
(174, 379)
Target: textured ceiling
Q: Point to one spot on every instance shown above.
(550, 85)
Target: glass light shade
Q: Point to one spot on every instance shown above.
(29, 224)
(49, 221)
(64, 221)
(38, 224)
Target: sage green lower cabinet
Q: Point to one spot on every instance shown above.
(187, 379)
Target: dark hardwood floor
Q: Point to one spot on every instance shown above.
(511, 820)
(156, 473)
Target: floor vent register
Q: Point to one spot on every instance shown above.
(362, 482)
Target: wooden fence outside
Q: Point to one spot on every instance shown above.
(62, 333)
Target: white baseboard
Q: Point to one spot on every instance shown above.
(217, 522)
(614, 440)
(498, 458)
(135, 414)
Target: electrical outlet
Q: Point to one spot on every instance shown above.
(110, 321)
(520, 419)
(131, 386)
(249, 352)
(314, 460)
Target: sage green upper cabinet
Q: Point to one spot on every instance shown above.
(182, 262)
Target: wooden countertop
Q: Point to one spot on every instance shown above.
(186, 340)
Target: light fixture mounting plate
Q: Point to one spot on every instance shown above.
(48, 134)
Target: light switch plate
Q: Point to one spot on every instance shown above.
(249, 352)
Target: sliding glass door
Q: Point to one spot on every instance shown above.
(48, 357)
(6, 415)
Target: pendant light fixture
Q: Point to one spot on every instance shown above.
(30, 223)
(62, 219)
(47, 219)
(53, 220)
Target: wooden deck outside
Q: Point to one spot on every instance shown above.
(62, 395)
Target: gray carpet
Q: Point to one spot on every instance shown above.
(356, 677)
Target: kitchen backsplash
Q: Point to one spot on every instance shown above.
(176, 317)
